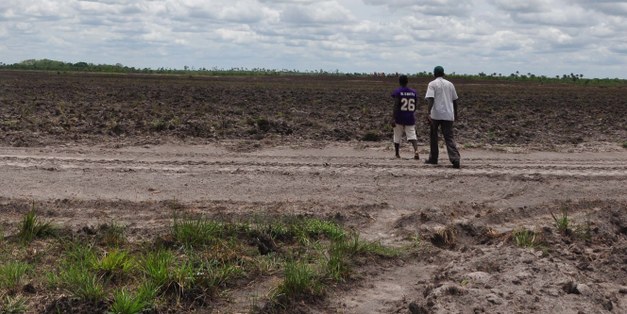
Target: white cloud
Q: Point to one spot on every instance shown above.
(318, 13)
(350, 35)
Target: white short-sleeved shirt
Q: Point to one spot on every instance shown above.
(443, 93)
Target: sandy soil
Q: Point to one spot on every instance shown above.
(396, 201)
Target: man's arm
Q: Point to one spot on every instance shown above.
(429, 106)
(455, 109)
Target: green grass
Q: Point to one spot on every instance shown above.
(32, 228)
(76, 273)
(13, 305)
(12, 274)
(192, 263)
(115, 264)
(156, 267)
(81, 283)
(197, 232)
(300, 280)
(128, 302)
(525, 238)
(624, 144)
(562, 223)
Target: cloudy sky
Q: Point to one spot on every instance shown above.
(543, 37)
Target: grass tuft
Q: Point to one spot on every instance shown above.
(12, 274)
(32, 228)
(525, 238)
(197, 232)
(75, 273)
(156, 266)
(115, 264)
(300, 281)
(127, 302)
(562, 223)
(81, 283)
(13, 305)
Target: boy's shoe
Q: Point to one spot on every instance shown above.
(416, 156)
(431, 162)
(456, 164)
(397, 156)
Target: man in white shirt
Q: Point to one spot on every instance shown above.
(442, 111)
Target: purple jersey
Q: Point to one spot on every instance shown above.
(405, 101)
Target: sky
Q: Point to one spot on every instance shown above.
(541, 37)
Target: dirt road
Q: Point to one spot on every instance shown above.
(335, 174)
(384, 198)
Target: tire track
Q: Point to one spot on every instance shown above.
(331, 165)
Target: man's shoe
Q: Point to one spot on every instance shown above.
(397, 156)
(456, 164)
(431, 162)
(416, 156)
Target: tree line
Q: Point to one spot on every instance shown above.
(60, 66)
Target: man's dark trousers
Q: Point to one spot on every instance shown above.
(447, 132)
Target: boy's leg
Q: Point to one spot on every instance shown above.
(398, 134)
(410, 132)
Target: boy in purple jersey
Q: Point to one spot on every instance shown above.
(405, 101)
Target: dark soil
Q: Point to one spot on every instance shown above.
(39, 108)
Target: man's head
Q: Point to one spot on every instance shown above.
(438, 71)
(403, 80)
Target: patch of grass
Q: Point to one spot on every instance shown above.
(127, 302)
(197, 260)
(525, 238)
(303, 230)
(197, 232)
(81, 283)
(266, 264)
(341, 253)
(213, 274)
(115, 264)
(13, 305)
(12, 274)
(338, 266)
(75, 273)
(562, 223)
(156, 266)
(32, 228)
(354, 246)
(80, 255)
(624, 144)
(300, 280)
(181, 278)
(317, 227)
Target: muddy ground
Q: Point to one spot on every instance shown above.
(91, 149)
